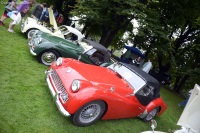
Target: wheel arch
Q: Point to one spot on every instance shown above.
(157, 103)
(72, 107)
(49, 49)
(29, 30)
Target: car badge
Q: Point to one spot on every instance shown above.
(112, 89)
(68, 71)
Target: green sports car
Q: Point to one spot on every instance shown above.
(48, 48)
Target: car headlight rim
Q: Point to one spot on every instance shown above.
(59, 61)
(76, 85)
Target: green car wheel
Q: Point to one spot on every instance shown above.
(48, 57)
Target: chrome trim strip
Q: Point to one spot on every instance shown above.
(56, 97)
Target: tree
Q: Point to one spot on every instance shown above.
(111, 16)
(178, 53)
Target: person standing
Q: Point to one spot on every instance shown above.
(37, 11)
(183, 103)
(147, 66)
(22, 10)
(45, 16)
(43, 13)
(24, 5)
(136, 62)
(11, 6)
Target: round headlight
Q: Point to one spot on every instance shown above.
(40, 40)
(75, 85)
(59, 61)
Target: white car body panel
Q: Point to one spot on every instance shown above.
(31, 23)
(190, 118)
(153, 132)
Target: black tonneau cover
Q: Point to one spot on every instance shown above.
(101, 48)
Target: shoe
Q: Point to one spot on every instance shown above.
(9, 30)
(1, 23)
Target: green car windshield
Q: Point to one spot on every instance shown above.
(85, 45)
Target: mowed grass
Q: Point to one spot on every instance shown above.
(26, 104)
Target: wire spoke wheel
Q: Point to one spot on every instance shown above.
(89, 113)
(151, 114)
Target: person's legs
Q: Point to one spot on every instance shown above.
(11, 26)
(3, 17)
(183, 103)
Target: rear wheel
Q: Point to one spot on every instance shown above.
(30, 32)
(89, 113)
(151, 115)
(48, 57)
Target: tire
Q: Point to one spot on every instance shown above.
(89, 113)
(30, 32)
(48, 57)
(151, 115)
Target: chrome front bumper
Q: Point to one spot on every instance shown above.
(33, 53)
(56, 97)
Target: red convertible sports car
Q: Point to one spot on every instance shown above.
(88, 93)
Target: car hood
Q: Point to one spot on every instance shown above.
(56, 40)
(52, 19)
(99, 77)
(49, 37)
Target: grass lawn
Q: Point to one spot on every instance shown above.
(26, 104)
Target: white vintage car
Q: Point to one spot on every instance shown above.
(30, 25)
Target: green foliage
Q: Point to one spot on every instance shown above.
(171, 33)
(49, 2)
(111, 16)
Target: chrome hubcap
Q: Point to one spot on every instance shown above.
(48, 58)
(151, 114)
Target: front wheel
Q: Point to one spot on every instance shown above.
(89, 113)
(151, 115)
(48, 57)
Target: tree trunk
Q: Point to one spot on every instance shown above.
(176, 83)
(107, 36)
(59, 4)
(179, 86)
(108, 33)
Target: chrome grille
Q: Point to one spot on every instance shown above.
(59, 86)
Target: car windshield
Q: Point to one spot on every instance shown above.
(132, 78)
(85, 45)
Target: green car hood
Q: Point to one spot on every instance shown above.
(61, 43)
